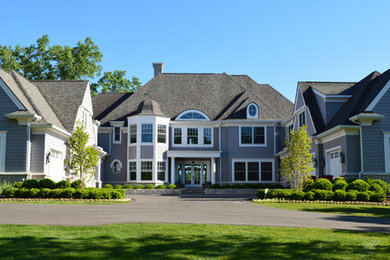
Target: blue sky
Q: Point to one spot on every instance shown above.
(274, 42)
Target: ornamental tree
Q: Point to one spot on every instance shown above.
(82, 158)
(297, 166)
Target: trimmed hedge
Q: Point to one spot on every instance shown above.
(118, 186)
(128, 186)
(149, 187)
(160, 187)
(322, 184)
(359, 185)
(139, 187)
(340, 185)
(247, 186)
(171, 186)
(108, 186)
(47, 183)
(63, 184)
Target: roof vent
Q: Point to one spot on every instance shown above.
(158, 68)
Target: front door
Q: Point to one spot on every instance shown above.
(334, 163)
(195, 172)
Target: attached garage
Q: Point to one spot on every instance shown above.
(334, 166)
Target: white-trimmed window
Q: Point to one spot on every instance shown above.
(252, 171)
(302, 118)
(116, 166)
(252, 135)
(192, 136)
(133, 134)
(146, 170)
(3, 141)
(117, 135)
(147, 133)
(161, 133)
(161, 171)
(177, 136)
(193, 115)
(206, 136)
(132, 171)
(252, 111)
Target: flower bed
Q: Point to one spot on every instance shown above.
(322, 202)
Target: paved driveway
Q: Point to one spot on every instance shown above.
(172, 209)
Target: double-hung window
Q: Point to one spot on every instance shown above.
(239, 171)
(192, 136)
(177, 136)
(161, 133)
(117, 134)
(161, 168)
(252, 135)
(133, 134)
(252, 171)
(206, 136)
(146, 170)
(302, 118)
(132, 171)
(147, 133)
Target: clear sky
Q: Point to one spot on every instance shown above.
(274, 42)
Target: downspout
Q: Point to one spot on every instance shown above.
(361, 147)
(28, 151)
(220, 158)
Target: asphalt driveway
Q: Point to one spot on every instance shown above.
(173, 209)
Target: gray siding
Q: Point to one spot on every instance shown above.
(353, 153)
(146, 152)
(331, 110)
(15, 160)
(342, 141)
(281, 134)
(37, 153)
(119, 152)
(300, 103)
(215, 146)
(104, 141)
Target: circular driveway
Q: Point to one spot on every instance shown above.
(173, 209)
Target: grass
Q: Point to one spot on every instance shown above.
(185, 241)
(354, 210)
(53, 202)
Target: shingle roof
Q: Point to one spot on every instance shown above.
(328, 88)
(103, 103)
(65, 97)
(31, 97)
(219, 96)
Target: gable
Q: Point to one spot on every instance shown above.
(299, 102)
(7, 92)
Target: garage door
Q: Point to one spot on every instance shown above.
(334, 163)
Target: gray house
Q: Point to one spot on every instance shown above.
(349, 123)
(193, 129)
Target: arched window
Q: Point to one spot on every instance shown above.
(116, 166)
(193, 115)
(252, 111)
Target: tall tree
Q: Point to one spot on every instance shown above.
(115, 82)
(296, 166)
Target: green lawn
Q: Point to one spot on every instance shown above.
(176, 241)
(64, 202)
(355, 210)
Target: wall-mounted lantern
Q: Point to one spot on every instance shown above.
(315, 163)
(48, 156)
(342, 158)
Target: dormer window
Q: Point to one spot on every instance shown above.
(193, 115)
(117, 134)
(252, 111)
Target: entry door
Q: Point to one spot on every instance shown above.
(195, 173)
(334, 163)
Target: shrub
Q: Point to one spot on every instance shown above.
(272, 193)
(322, 184)
(63, 184)
(173, 186)
(340, 185)
(351, 195)
(351, 180)
(44, 193)
(308, 184)
(34, 193)
(106, 193)
(284, 193)
(309, 195)
(10, 193)
(139, 187)
(378, 197)
(297, 195)
(227, 186)
(18, 184)
(55, 193)
(96, 194)
(128, 186)
(149, 187)
(67, 193)
(115, 194)
(30, 184)
(213, 186)
(382, 184)
(108, 186)
(260, 194)
(359, 185)
(77, 184)
(237, 186)
(160, 187)
(78, 194)
(340, 195)
(47, 184)
(118, 186)
(375, 187)
(338, 179)
(363, 196)
(323, 194)
(23, 193)
(4, 187)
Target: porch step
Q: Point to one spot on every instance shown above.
(192, 191)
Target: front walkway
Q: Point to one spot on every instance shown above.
(172, 209)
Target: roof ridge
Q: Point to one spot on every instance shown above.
(189, 73)
(20, 85)
(346, 82)
(59, 80)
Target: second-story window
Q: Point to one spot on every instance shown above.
(252, 135)
(147, 133)
(192, 136)
(302, 119)
(206, 135)
(117, 134)
(161, 133)
(133, 134)
(177, 135)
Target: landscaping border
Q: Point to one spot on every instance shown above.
(322, 202)
(152, 192)
(65, 199)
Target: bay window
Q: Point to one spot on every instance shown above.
(133, 134)
(132, 171)
(161, 133)
(161, 168)
(146, 170)
(147, 133)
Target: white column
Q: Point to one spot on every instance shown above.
(213, 170)
(173, 167)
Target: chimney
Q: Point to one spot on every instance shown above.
(158, 68)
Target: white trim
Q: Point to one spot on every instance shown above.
(386, 143)
(3, 149)
(128, 170)
(378, 97)
(319, 93)
(327, 163)
(248, 116)
(120, 163)
(193, 111)
(184, 139)
(193, 154)
(166, 170)
(253, 144)
(11, 95)
(246, 169)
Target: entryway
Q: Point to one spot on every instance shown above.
(334, 164)
(193, 173)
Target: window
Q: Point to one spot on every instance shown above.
(206, 135)
(266, 171)
(177, 135)
(192, 115)
(302, 119)
(117, 134)
(146, 170)
(252, 135)
(192, 135)
(239, 171)
(85, 119)
(132, 171)
(161, 133)
(147, 133)
(116, 166)
(252, 111)
(161, 166)
(133, 134)
(253, 171)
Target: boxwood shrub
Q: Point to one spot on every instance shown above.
(309, 195)
(340, 185)
(160, 187)
(18, 184)
(363, 196)
(322, 184)
(118, 186)
(378, 196)
(323, 194)
(108, 186)
(351, 195)
(47, 183)
(260, 194)
(297, 195)
(338, 179)
(375, 187)
(308, 184)
(67, 192)
(77, 184)
(30, 184)
(340, 195)
(359, 185)
(171, 186)
(139, 187)
(34, 193)
(44, 193)
(128, 186)
(63, 184)
(149, 187)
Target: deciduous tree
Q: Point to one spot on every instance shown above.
(115, 82)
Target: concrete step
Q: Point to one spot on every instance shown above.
(192, 191)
